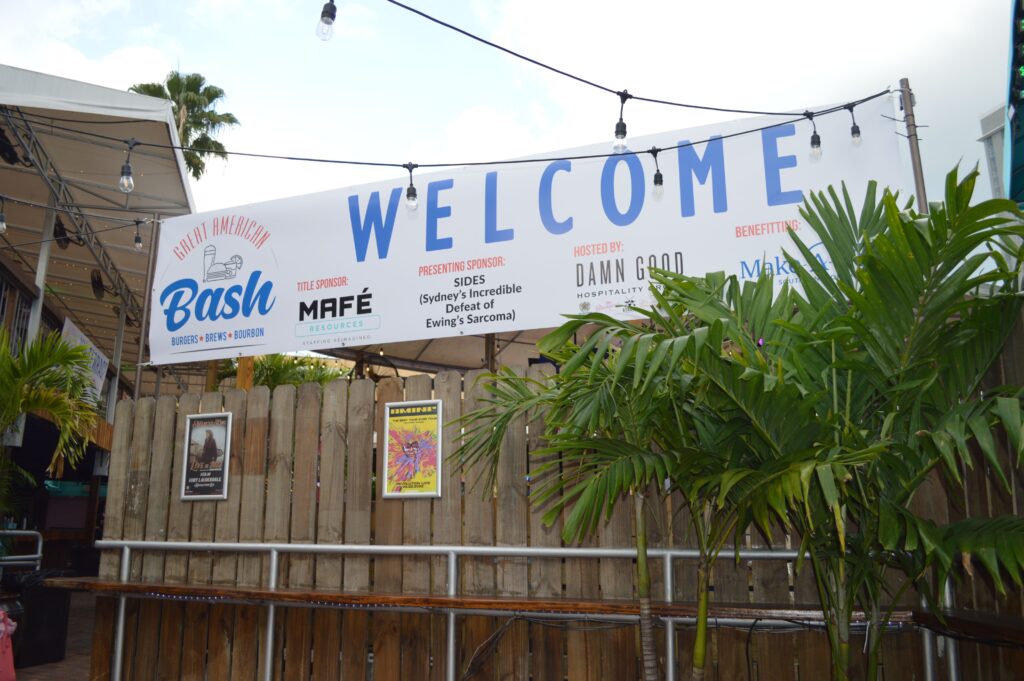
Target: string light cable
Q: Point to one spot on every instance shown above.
(572, 76)
(793, 118)
(137, 223)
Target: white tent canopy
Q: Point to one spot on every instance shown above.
(63, 145)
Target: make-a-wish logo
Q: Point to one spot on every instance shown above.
(778, 266)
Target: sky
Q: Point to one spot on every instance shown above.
(393, 87)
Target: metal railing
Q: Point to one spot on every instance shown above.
(452, 553)
(33, 560)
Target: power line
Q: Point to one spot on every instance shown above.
(795, 118)
(68, 211)
(579, 79)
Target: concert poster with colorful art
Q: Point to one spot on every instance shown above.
(412, 458)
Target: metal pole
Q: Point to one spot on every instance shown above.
(453, 576)
(115, 673)
(670, 625)
(907, 98)
(144, 322)
(491, 352)
(928, 651)
(35, 314)
(268, 653)
(952, 653)
(122, 317)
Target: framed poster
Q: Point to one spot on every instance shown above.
(207, 453)
(412, 457)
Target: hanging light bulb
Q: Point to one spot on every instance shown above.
(815, 146)
(658, 190)
(3, 218)
(619, 145)
(325, 27)
(854, 129)
(138, 236)
(815, 137)
(126, 183)
(411, 202)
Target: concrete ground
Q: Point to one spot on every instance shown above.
(79, 647)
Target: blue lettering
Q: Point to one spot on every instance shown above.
(381, 228)
(712, 165)
(253, 299)
(773, 164)
(547, 213)
(750, 272)
(435, 213)
(177, 311)
(491, 232)
(231, 303)
(207, 304)
(636, 199)
(215, 303)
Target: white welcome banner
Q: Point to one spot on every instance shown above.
(501, 248)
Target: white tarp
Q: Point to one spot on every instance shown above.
(500, 248)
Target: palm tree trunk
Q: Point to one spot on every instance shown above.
(700, 643)
(643, 589)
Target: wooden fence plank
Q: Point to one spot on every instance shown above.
(197, 615)
(447, 511)
(513, 519)
(415, 628)
(327, 641)
(225, 565)
(161, 455)
(547, 643)
(358, 494)
(774, 653)
(248, 626)
(299, 635)
(477, 573)
(136, 498)
(277, 522)
(387, 570)
(106, 608)
(732, 585)
(582, 581)
(684, 580)
(618, 649)
(179, 523)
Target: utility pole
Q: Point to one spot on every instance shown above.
(907, 98)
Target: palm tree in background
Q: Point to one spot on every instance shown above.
(50, 377)
(198, 122)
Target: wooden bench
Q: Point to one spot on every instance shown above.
(471, 604)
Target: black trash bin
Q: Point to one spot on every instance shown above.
(42, 633)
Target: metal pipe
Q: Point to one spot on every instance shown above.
(952, 652)
(27, 559)
(928, 651)
(434, 550)
(122, 602)
(144, 320)
(268, 652)
(670, 625)
(450, 647)
(907, 99)
(35, 314)
(122, 317)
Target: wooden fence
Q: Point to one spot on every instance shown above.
(303, 470)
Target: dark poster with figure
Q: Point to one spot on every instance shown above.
(207, 452)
